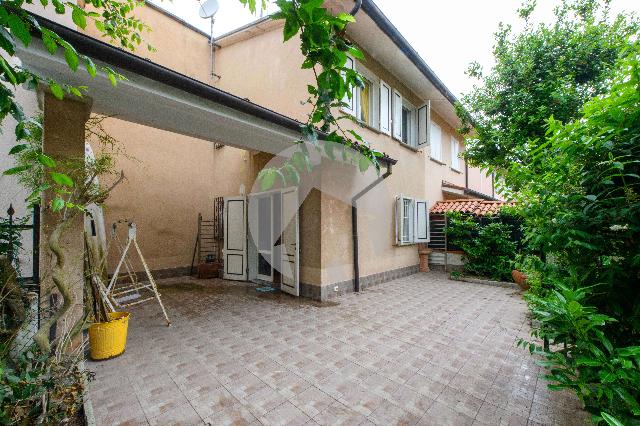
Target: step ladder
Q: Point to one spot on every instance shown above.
(134, 292)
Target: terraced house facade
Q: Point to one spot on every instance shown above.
(348, 233)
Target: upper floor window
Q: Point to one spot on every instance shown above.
(377, 105)
(455, 154)
(365, 103)
(436, 142)
(406, 125)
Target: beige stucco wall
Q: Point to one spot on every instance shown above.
(171, 178)
(276, 81)
(265, 71)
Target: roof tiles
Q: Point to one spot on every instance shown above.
(474, 206)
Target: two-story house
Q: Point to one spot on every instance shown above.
(351, 229)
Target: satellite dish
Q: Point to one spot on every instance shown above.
(209, 8)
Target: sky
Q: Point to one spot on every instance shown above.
(449, 35)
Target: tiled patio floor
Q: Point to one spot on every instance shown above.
(418, 350)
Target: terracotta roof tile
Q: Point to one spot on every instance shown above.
(473, 206)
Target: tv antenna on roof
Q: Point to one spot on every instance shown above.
(208, 10)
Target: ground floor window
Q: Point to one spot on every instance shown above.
(412, 220)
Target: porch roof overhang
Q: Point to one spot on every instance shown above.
(159, 97)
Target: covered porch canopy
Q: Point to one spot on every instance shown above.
(159, 97)
(151, 95)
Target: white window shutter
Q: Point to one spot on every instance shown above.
(397, 115)
(421, 218)
(424, 121)
(455, 152)
(412, 129)
(399, 221)
(385, 108)
(436, 142)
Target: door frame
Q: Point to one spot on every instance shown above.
(226, 251)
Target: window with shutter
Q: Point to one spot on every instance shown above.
(424, 122)
(406, 222)
(421, 218)
(455, 154)
(397, 115)
(436, 142)
(385, 108)
(365, 102)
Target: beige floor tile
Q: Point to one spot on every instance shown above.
(388, 352)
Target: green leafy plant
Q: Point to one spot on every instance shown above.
(581, 357)
(112, 18)
(325, 48)
(40, 389)
(489, 249)
(542, 71)
(582, 210)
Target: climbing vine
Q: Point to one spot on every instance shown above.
(323, 43)
(325, 48)
(112, 18)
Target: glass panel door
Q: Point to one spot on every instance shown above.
(265, 237)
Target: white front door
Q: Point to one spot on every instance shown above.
(235, 238)
(290, 259)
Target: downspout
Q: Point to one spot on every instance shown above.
(354, 225)
(466, 175)
(356, 8)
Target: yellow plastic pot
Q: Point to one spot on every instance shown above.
(108, 339)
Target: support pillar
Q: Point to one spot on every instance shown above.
(63, 139)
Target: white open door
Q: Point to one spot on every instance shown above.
(290, 259)
(235, 238)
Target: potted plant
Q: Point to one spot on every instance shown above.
(518, 276)
(108, 330)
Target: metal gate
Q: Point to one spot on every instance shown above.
(12, 231)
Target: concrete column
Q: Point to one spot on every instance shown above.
(64, 139)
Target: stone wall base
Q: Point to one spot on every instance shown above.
(331, 291)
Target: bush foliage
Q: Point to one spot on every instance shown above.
(558, 120)
(584, 211)
(489, 249)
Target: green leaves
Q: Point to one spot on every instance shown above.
(79, 16)
(56, 90)
(291, 28)
(45, 160)
(91, 67)
(16, 170)
(57, 204)
(610, 420)
(71, 57)
(19, 28)
(61, 179)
